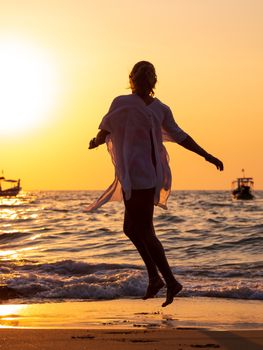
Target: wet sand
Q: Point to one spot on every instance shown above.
(189, 323)
(176, 339)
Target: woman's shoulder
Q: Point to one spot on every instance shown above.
(132, 100)
(123, 102)
(161, 106)
(127, 101)
(123, 99)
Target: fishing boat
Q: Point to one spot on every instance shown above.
(242, 187)
(9, 188)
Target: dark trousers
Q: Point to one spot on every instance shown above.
(138, 226)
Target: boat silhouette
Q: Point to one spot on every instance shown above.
(242, 187)
(9, 188)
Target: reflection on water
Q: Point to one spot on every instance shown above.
(10, 314)
(218, 314)
(8, 254)
(15, 212)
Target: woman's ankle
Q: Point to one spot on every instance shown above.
(172, 282)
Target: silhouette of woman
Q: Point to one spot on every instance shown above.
(134, 130)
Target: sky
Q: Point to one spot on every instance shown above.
(63, 62)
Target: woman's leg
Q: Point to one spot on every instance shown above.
(138, 225)
(158, 254)
(142, 249)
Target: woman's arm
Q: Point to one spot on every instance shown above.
(191, 145)
(176, 134)
(99, 139)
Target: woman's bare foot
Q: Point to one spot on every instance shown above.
(153, 288)
(172, 291)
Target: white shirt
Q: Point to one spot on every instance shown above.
(137, 132)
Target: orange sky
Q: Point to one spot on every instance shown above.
(208, 56)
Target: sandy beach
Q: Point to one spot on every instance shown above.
(176, 339)
(190, 323)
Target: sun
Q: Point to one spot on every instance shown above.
(28, 86)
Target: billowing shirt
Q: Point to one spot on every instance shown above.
(135, 142)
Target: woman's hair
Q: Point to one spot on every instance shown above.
(143, 77)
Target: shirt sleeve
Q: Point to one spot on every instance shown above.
(105, 123)
(106, 120)
(171, 131)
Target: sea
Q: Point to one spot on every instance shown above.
(52, 250)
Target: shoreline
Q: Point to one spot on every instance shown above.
(195, 312)
(187, 324)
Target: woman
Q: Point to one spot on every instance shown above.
(134, 130)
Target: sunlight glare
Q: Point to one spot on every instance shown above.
(10, 315)
(28, 86)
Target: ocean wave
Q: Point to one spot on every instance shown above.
(250, 243)
(66, 267)
(69, 267)
(80, 280)
(11, 236)
(47, 243)
(231, 292)
(217, 204)
(169, 218)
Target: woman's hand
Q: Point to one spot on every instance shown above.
(99, 139)
(209, 158)
(93, 143)
(190, 144)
